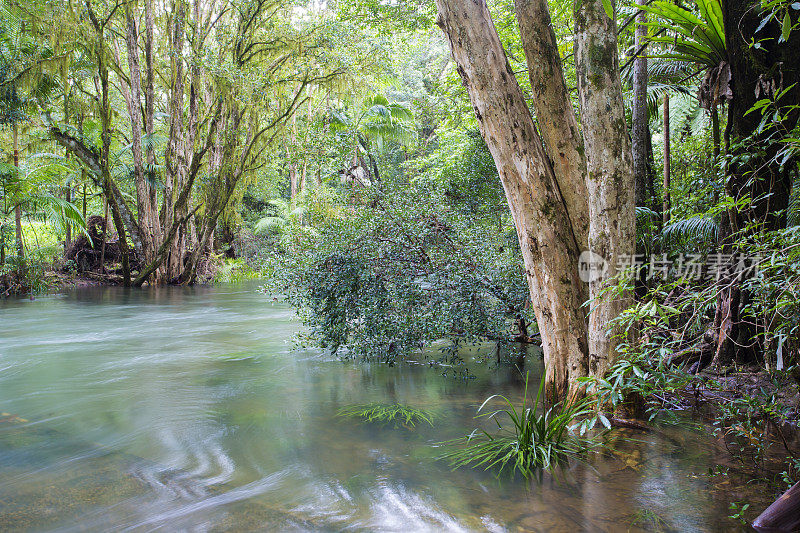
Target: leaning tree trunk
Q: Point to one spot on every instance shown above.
(549, 247)
(610, 183)
(555, 113)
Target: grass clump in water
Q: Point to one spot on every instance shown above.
(532, 439)
(384, 414)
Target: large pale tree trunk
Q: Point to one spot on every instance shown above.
(549, 245)
(554, 112)
(610, 183)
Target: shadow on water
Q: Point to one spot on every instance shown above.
(189, 408)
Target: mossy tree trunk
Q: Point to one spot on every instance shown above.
(549, 246)
(610, 181)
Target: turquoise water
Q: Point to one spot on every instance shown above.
(191, 409)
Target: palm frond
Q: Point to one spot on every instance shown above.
(697, 229)
(56, 212)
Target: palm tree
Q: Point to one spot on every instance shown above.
(24, 188)
(376, 120)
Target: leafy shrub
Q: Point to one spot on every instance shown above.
(402, 270)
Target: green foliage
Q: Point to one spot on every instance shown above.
(462, 166)
(387, 414)
(533, 439)
(699, 230)
(778, 12)
(234, 270)
(697, 38)
(738, 510)
(399, 270)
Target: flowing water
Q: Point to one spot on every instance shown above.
(191, 409)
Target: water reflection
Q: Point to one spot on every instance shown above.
(188, 408)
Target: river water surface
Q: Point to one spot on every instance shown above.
(191, 409)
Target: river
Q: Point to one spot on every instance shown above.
(192, 409)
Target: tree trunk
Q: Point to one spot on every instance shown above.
(149, 106)
(755, 74)
(17, 208)
(68, 188)
(783, 514)
(175, 155)
(555, 113)
(68, 236)
(105, 116)
(639, 131)
(666, 206)
(146, 214)
(18, 231)
(549, 246)
(610, 183)
(105, 237)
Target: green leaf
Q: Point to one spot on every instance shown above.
(609, 7)
(787, 27)
(604, 420)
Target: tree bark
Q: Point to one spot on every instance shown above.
(149, 110)
(68, 229)
(666, 204)
(105, 237)
(783, 514)
(549, 246)
(105, 137)
(639, 116)
(146, 215)
(17, 208)
(554, 112)
(755, 74)
(176, 154)
(610, 183)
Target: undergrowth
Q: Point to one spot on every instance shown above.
(532, 439)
